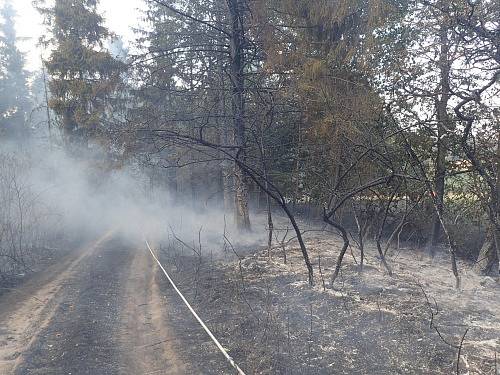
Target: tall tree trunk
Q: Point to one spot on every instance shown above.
(439, 189)
(238, 106)
(47, 107)
(296, 178)
(223, 134)
(193, 171)
(227, 173)
(497, 208)
(227, 187)
(263, 156)
(442, 124)
(487, 262)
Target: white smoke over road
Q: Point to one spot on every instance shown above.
(84, 196)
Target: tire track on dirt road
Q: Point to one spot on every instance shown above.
(146, 337)
(26, 310)
(104, 315)
(81, 335)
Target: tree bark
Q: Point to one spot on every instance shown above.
(238, 107)
(345, 239)
(487, 261)
(442, 123)
(228, 198)
(428, 184)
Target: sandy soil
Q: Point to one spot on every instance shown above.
(145, 335)
(27, 309)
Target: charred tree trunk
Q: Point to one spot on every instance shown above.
(227, 187)
(47, 107)
(238, 107)
(345, 239)
(378, 239)
(361, 236)
(223, 137)
(428, 184)
(270, 224)
(487, 260)
(442, 124)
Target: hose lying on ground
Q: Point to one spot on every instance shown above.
(217, 343)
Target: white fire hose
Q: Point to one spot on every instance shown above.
(217, 343)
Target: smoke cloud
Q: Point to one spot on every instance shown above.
(83, 196)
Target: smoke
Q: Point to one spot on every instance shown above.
(84, 196)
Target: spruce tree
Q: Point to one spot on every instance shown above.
(84, 75)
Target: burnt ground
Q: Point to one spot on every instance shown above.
(106, 309)
(272, 322)
(45, 257)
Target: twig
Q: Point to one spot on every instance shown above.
(496, 366)
(183, 243)
(156, 343)
(20, 292)
(321, 273)
(444, 340)
(460, 350)
(431, 324)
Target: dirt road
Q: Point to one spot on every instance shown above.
(98, 311)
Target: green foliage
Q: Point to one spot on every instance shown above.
(84, 76)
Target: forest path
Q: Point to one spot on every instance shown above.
(100, 311)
